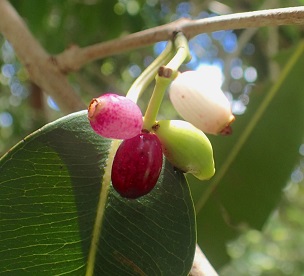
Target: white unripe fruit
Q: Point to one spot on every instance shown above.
(206, 108)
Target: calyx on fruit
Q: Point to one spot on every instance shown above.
(137, 165)
(207, 108)
(115, 116)
(186, 147)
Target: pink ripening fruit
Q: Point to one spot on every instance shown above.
(137, 165)
(115, 116)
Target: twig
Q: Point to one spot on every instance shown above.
(201, 265)
(243, 39)
(48, 72)
(42, 68)
(75, 57)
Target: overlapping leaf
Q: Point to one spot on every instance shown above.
(50, 192)
(254, 164)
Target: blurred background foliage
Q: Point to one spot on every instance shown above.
(241, 60)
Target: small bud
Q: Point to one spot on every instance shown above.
(114, 116)
(186, 147)
(208, 110)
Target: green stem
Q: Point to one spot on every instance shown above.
(182, 52)
(160, 88)
(147, 76)
(163, 79)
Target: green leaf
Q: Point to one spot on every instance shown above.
(254, 164)
(57, 217)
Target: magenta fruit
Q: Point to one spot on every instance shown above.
(114, 116)
(137, 165)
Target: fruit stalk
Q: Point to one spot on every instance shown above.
(164, 78)
(147, 76)
(162, 82)
(182, 52)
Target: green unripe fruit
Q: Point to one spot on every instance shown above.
(186, 147)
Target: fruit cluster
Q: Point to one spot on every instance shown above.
(138, 160)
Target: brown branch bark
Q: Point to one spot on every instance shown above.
(49, 72)
(75, 57)
(42, 68)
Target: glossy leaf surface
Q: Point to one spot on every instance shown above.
(51, 209)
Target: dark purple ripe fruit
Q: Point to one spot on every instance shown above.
(137, 165)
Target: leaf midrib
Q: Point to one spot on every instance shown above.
(105, 185)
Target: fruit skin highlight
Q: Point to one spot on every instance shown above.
(201, 103)
(137, 165)
(186, 147)
(114, 116)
